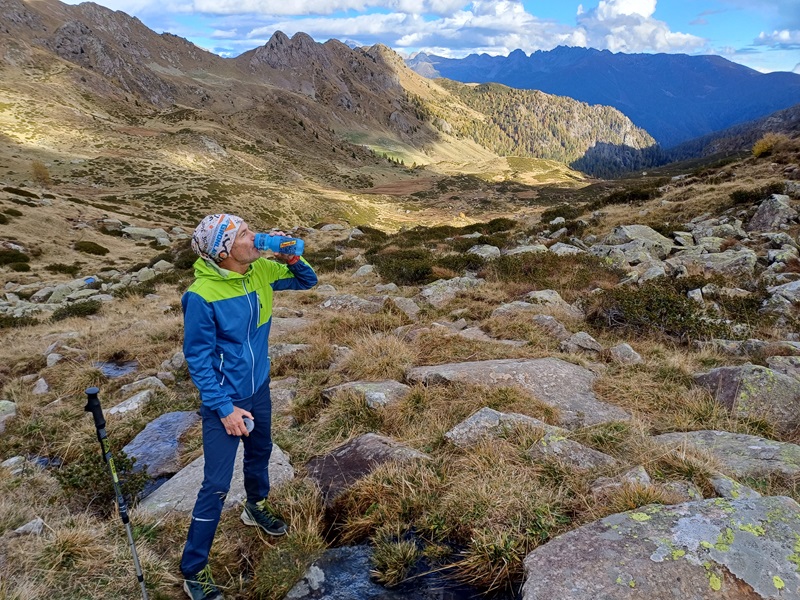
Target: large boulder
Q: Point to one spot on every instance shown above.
(731, 262)
(772, 213)
(653, 242)
(157, 446)
(338, 470)
(563, 385)
(751, 391)
(708, 549)
(442, 291)
(180, 492)
(742, 455)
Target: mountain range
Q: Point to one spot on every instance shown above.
(674, 97)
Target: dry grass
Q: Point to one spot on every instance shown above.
(440, 346)
(379, 357)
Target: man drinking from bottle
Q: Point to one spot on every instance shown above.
(227, 316)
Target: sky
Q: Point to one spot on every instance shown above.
(761, 34)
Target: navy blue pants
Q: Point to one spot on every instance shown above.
(219, 450)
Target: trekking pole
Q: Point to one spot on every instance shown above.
(93, 406)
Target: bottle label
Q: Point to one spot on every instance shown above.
(288, 243)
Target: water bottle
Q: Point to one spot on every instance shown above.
(248, 424)
(279, 243)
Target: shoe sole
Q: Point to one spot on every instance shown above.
(219, 596)
(248, 521)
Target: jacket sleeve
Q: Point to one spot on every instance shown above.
(199, 347)
(299, 276)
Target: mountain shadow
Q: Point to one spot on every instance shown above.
(607, 161)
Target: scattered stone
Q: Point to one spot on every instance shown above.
(687, 550)
(742, 455)
(35, 527)
(685, 490)
(157, 446)
(788, 365)
(148, 383)
(581, 343)
(385, 288)
(725, 487)
(325, 288)
(180, 492)
(364, 271)
(625, 355)
(282, 326)
(485, 251)
(280, 350)
(534, 249)
(177, 362)
(751, 391)
(605, 485)
(651, 241)
(552, 299)
(41, 387)
(349, 302)
(442, 291)
(332, 227)
(133, 403)
(407, 306)
(8, 410)
(561, 249)
(488, 422)
(163, 266)
(555, 446)
(551, 326)
(14, 465)
(563, 385)
(377, 394)
(772, 213)
(336, 471)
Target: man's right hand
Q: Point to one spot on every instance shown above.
(233, 423)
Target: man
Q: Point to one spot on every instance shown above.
(227, 315)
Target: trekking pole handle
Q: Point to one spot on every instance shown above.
(93, 406)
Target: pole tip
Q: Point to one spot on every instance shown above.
(92, 391)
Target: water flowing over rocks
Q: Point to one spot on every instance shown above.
(180, 492)
(560, 384)
(735, 550)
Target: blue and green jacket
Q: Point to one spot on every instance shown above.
(227, 317)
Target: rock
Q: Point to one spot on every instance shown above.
(407, 306)
(41, 387)
(157, 446)
(282, 392)
(148, 383)
(145, 233)
(325, 288)
(35, 527)
(377, 394)
(382, 288)
(279, 350)
(625, 355)
(552, 299)
(696, 296)
(731, 262)
(605, 485)
(351, 303)
(8, 410)
(561, 249)
(772, 213)
(336, 471)
(751, 391)
(179, 493)
(686, 490)
(513, 308)
(488, 422)
(551, 326)
(788, 291)
(581, 343)
(485, 251)
(732, 550)
(364, 271)
(283, 325)
(145, 274)
(788, 365)
(652, 242)
(163, 266)
(725, 487)
(43, 294)
(555, 446)
(442, 291)
(742, 455)
(14, 465)
(332, 227)
(133, 403)
(560, 384)
(534, 249)
(175, 363)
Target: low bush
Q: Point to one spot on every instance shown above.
(766, 144)
(459, 263)
(8, 257)
(567, 211)
(13, 212)
(755, 195)
(633, 195)
(328, 260)
(405, 267)
(77, 309)
(91, 248)
(4, 220)
(9, 322)
(20, 267)
(73, 269)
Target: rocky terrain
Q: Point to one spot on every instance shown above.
(598, 400)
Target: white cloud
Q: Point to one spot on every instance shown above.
(224, 35)
(611, 9)
(782, 39)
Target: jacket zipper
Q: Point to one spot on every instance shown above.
(249, 346)
(221, 362)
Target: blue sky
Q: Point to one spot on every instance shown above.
(762, 34)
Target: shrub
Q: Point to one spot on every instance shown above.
(766, 144)
(8, 257)
(9, 322)
(405, 267)
(562, 210)
(20, 192)
(40, 174)
(755, 195)
(3, 219)
(13, 212)
(634, 195)
(73, 269)
(91, 248)
(328, 260)
(655, 307)
(460, 262)
(20, 267)
(77, 309)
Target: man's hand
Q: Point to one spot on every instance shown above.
(284, 258)
(234, 425)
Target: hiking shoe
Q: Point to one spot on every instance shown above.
(253, 514)
(202, 586)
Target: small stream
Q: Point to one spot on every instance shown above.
(114, 369)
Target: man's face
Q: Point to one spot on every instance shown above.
(243, 251)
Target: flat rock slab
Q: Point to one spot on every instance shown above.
(752, 391)
(558, 447)
(743, 455)
(354, 460)
(157, 445)
(180, 492)
(488, 422)
(282, 325)
(375, 393)
(563, 385)
(703, 550)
